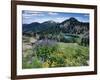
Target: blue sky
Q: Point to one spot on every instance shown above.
(42, 16)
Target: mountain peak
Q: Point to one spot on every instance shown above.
(50, 21)
(72, 19)
(35, 23)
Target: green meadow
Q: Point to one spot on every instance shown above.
(60, 55)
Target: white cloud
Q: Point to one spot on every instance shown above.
(31, 12)
(31, 15)
(60, 19)
(52, 13)
(26, 15)
(35, 14)
(86, 15)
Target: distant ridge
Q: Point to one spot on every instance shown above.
(71, 25)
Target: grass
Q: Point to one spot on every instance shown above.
(67, 54)
(76, 55)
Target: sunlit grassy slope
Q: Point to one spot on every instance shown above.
(67, 55)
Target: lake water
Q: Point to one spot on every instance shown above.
(71, 36)
(68, 37)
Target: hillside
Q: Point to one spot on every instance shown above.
(72, 26)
